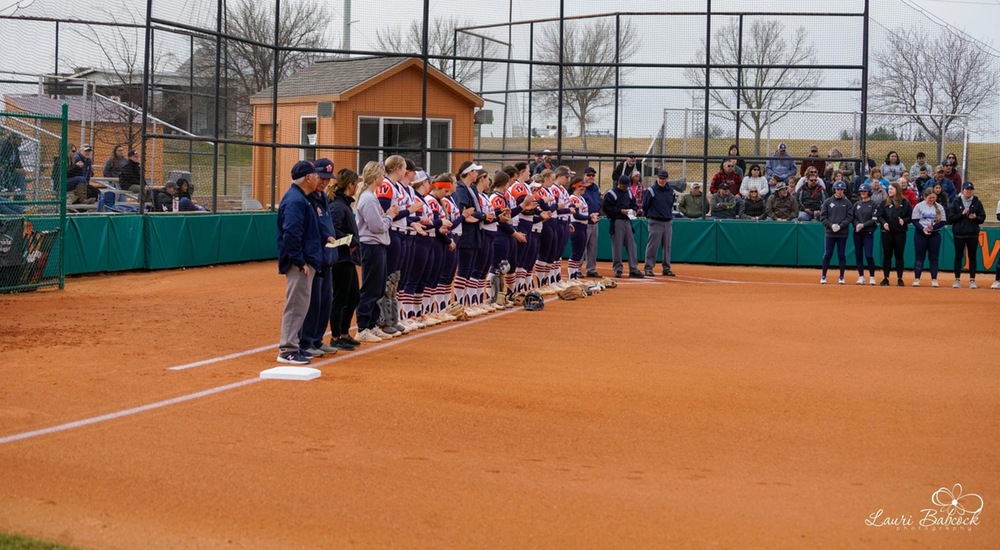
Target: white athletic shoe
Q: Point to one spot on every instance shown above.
(972, 284)
(916, 282)
(446, 317)
(367, 336)
(840, 281)
(995, 285)
(861, 280)
(871, 281)
(934, 283)
(956, 284)
(379, 333)
(822, 280)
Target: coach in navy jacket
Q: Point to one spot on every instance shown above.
(300, 256)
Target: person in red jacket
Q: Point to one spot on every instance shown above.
(728, 177)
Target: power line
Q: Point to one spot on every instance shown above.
(941, 22)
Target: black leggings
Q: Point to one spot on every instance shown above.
(970, 244)
(345, 298)
(893, 243)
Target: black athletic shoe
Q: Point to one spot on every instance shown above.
(636, 274)
(649, 273)
(899, 282)
(669, 273)
(351, 341)
(594, 275)
(341, 343)
(618, 274)
(885, 282)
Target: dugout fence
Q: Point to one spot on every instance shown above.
(33, 161)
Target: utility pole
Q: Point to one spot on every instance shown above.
(346, 39)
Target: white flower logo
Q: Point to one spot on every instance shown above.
(953, 499)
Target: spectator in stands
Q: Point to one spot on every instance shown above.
(865, 222)
(755, 180)
(753, 206)
(184, 201)
(863, 167)
(544, 164)
(344, 273)
(928, 219)
(836, 214)
(164, 198)
(950, 157)
(951, 173)
(921, 163)
(811, 198)
(78, 176)
(895, 213)
(724, 205)
(801, 182)
(772, 184)
(947, 185)
(636, 188)
(131, 175)
(626, 167)
(965, 215)
(12, 173)
(781, 205)
(734, 155)
(727, 177)
(942, 197)
(878, 191)
(113, 166)
(539, 158)
(780, 165)
(813, 162)
(892, 168)
(693, 204)
(875, 177)
(833, 164)
(920, 179)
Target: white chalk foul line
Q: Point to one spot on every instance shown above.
(126, 412)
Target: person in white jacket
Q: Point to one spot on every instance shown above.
(755, 180)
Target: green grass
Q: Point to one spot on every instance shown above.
(17, 542)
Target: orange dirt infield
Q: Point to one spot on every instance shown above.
(729, 407)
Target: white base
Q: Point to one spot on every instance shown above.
(290, 373)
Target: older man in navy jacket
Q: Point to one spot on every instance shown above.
(300, 256)
(592, 195)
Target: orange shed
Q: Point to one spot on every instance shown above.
(365, 102)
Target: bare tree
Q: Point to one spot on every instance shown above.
(589, 67)
(442, 42)
(120, 48)
(248, 67)
(765, 44)
(944, 77)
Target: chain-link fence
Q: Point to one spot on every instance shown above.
(215, 92)
(32, 200)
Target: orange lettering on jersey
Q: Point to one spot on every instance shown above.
(384, 191)
(498, 202)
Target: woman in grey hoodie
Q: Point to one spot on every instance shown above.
(373, 232)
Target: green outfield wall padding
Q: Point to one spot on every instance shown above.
(248, 237)
(694, 242)
(126, 249)
(745, 242)
(86, 245)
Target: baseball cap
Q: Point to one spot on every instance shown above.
(781, 186)
(86, 147)
(624, 180)
(589, 170)
(470, 168)
(968, 185)
(781, 147)
(420, 177)
(302, 169)
(698, 185)
(814, 148)
(170, 185)
(324, 168)
(133, 153)
(546, 151)
(662, 174)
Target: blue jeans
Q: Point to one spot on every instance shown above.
(805, 216)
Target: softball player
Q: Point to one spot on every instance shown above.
(581, 219)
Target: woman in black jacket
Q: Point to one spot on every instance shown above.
(966, 214)
(893, 217)
(346, 293)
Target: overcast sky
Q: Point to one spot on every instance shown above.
(669, 39)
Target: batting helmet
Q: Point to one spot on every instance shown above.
(865, 188)
(533, 301)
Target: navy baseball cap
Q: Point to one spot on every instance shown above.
(324, 168)
(781, 147)
(662, 174)
(133, 153)
(589, 170)
(302, 169)
(968, 185)
(624, 180)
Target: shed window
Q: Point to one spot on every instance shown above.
(401, 136)
(307, 136)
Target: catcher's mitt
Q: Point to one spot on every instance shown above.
(571, 293)
(609, 283)
(456, 310)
